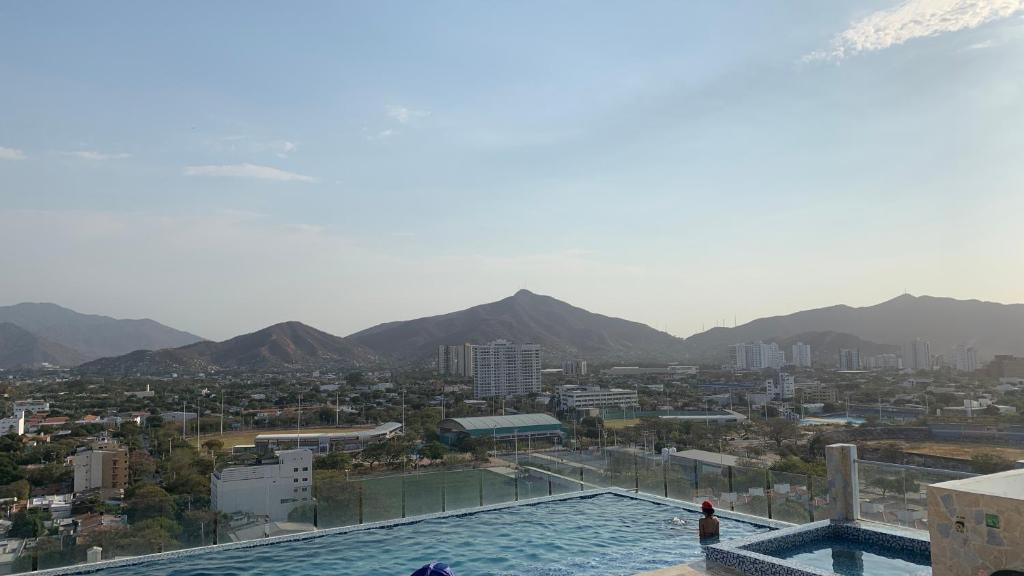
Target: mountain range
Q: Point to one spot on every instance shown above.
(564, 331)
(284, 346)
(71, 337)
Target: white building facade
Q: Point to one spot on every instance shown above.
(502, 368)
(782, 387)
(917, 355)
(965, 358)
(756, 356)
(801, 357)
(13, 425)
(572, 397)
(455, 360)
(267, 490)
(576, 367)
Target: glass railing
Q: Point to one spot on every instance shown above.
(156, 519)
(897, 494)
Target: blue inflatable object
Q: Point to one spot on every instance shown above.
(434, 569)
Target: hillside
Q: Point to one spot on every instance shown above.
(93, 336)
(288, 345)
(564, 331)
(945, 322)
(20, 348)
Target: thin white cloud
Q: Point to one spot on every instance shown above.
(11, 154)
(95, 155)
(254, 171)
(405, 115)
(286, 148)
(913, 19)
(979, 45)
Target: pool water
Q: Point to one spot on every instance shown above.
(856, 559)
(605, 535)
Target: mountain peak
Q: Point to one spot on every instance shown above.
(523, 293)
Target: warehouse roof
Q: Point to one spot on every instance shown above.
(512, 421)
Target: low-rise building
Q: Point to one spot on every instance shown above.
(521, 426)
(575, 397)
(270, 489)
(815, 392)
(105, 467)
(31, 406)
(325, 442)
(13, 425)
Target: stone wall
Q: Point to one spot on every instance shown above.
(974, 534)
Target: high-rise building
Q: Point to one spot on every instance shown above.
(577, 367)
(801, 355)
(756, 356)
(849, 359)
(917, 355)
(502, 368)
(965, 358)
(781, 387)
(883, 362)
(455, 360)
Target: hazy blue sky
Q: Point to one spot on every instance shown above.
(220, 166)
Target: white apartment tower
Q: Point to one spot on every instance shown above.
(455, 360)
(502, 368)
(849, 359)
(917, 355)
(801, 355)
(577, 367)
(756, 356)
(965, 358)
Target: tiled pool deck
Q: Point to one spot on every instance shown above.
(754, 554)
(190, 552)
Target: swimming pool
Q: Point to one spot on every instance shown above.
(826, 548)
(603, 534)
(848, 558)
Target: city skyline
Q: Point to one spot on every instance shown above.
(383, 163)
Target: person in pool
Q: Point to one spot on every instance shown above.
(708, 525)
(434, 569)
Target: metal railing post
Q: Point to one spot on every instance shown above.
(360, 503)
(696, 479)
(732, 504)
(481, 485)
(636, 474)
(403, 496)
(810, 498)
(444, 490)
(768, 490)
(664, 476)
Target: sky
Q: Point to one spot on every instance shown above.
(222, 166)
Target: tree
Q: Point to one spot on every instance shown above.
(149, 501)
(780, 430)
(989, 463)
(213, 445)
(334, 461)
(374, 453)
(434, 451)
(29, 523)
(9, 471)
